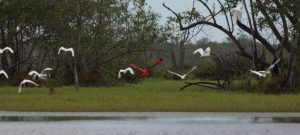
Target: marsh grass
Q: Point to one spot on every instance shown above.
(151, 95)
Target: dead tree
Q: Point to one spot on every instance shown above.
(286, 16)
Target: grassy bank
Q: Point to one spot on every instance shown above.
(152, 95)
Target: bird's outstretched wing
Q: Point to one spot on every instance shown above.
(136, 67)
(61, 48)
(72, 51)
(9, 49)
(154, 65)
(4, 73)
(214, 8)
(195, 67)
(119, 74)
(33, 73)
(26, 81)
(200, 50)
(130, 70)
(175, 73)
(45, 70)
(273, 65)
(256, 72)
(262, 72)
(207, 50)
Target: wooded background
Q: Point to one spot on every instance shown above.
(109, 34)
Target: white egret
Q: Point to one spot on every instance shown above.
(213, 8)
(182, 77)
(203, 53)
(6, 48)
(4, 73)
(124, 71)
(25, 81)
(41, 75)
(267, 71)
(66, 50)
(237, 12)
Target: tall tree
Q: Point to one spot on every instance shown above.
(273, 15)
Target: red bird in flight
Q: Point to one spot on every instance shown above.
(145, 72)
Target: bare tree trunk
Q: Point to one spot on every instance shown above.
(297, 62)
(75, 74)
(181, 54)
(173, 57)
(44, 57)
(145, 56)
(291, 71)
(77, 45)
(3, 56)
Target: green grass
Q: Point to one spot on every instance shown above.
(152, 95)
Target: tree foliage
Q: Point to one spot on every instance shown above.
(106, 36)
(278, 17)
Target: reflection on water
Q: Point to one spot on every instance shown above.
(156, 119)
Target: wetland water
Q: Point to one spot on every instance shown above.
(148, 124)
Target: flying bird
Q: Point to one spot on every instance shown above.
(124, 71)
(4, 73)
(66, 50)
(214, 8)
(6, 48)
(267, 71)
(41, 75)
(203, 53)
(145, 72)
(25, 81)
(237, 12)
(182, 77)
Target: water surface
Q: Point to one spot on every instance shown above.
(141, 124)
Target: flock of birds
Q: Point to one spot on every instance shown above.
(202, 53)
(35, 75)
(237, 15)
(143, 71)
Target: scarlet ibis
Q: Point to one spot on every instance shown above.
(145, 72)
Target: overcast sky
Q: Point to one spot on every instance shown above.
(182, 5)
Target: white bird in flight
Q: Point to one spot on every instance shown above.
(4, 73)
(267, 71)
(214, 8)
(203, 53)
(41, 75)
(124, 71)
(237, 12)
(182, 77)
(66, 50)
(6, 48)
(25, 81)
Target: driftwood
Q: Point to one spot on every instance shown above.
(202, 84)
